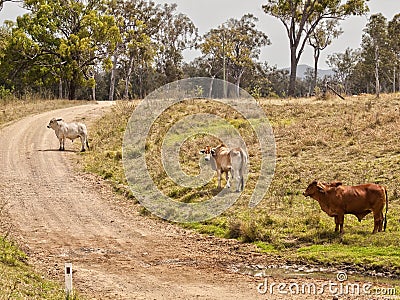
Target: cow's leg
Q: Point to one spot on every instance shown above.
(219, 178)
(83, 143)
(228, 183)
(341, 221)
(232, 174)
(61, 140)
(237, 178)
(241, 181)
(337, 224)
(378, 222)
(381, 222)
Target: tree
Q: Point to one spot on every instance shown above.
(301, 17)
(394, 40)
(343, 65)
(137, 21)
(321, 38)
(234, 46)
(375, 45)
(176, 33)
(64, 39)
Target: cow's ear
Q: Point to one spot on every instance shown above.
(58, 120)
(213, 151)
(321, 187)
(202, 151)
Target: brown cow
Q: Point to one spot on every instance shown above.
(337, 200)
(225, 160)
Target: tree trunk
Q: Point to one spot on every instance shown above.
(377, 84)
(94, 92)
(211, 87)
(72, 86)
(293, 72)
(72, 90)
(128, 78)
(60, 89)
(316, 59)
(140, 79)
(112, 79)
(238, 80)
(394, 79)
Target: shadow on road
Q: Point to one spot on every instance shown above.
(56, 150)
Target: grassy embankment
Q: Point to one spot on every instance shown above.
(355, 141)
(18, 280)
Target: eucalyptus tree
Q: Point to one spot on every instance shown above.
(394, 40)
(176, 33)
(344, 65)
(233, 48)
(321, 38)
(63, 40)
(301, 17)
(376, 47)
(138, 21)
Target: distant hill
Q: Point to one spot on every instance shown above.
(301, 71)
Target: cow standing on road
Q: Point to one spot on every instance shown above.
(69, 131)
(225, 160)
(337, 200)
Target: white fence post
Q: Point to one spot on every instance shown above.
(68, 279)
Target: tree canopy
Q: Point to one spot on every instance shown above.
(233, 47)
(61, 40)
(120, 49)
(301, 17)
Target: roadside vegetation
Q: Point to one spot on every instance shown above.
(12, 108)
(18, 279)
(355, 141)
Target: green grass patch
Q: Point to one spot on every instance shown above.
(359, 255)
(209, 229)
(18, 280)
(266, 248)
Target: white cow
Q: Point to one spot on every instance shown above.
(225, 160)
(69, 131)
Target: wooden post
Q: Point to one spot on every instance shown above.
(333, 90)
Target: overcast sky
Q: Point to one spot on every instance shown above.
(207, 14)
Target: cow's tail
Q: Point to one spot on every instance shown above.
(87, 142)
(387, 207)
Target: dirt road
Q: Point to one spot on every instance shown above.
(60, 216)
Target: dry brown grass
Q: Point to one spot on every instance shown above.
(15, 109)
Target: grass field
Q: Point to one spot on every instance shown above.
(355, 141)
(18, 280)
